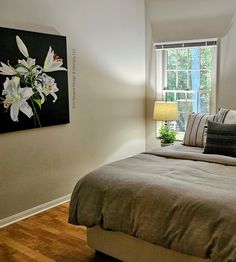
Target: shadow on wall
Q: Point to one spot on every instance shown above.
(110, 115)
(227, 76)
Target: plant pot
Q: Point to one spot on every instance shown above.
(166, 144)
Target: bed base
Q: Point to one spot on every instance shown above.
(132, 249)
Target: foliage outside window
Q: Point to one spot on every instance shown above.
(188, 77)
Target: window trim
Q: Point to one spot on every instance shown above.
(161, 67)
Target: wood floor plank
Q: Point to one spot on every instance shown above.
(34, 254)
(47, 237)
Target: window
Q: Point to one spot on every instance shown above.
(186, 73)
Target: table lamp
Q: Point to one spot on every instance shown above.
(166, 111)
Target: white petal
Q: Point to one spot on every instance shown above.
(37, 70)
(26, 92)
(22, 70)
(26, 109)
(52, 69)
(54, 96)
(30, 62)
(14, 111)
(7, 69)
(54, 88)
(23, 49)
(16, 81)
(9, 87)
(23, 62)
(39, 87)
(50, 64)
(6, 83)
(49, 57)
(42, 97)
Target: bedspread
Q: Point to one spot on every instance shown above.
(178, 199)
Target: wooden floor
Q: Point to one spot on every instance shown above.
(47, 237)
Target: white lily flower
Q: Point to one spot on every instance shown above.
(29, 62)
(53, 62)
(7, 69)
(22, 47)
(26, 64)
(46, 87)
(16, 98)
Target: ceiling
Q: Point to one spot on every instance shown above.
(173, 20)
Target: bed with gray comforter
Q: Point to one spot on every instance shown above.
(175, 197)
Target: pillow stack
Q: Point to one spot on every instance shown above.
(220, 135)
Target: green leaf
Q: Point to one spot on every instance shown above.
(38, 102)
(167, 135)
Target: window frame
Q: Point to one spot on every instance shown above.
(161, 75)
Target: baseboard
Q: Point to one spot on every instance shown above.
(33, 211)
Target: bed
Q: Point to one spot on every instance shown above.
(169, 204)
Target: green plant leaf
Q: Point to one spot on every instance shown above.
(38, 102)
(166, 135)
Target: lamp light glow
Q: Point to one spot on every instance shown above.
(165, 111)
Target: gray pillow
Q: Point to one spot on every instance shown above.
(221, 139)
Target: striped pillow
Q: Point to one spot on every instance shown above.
(221, 139)
(227, 116)
(194, 135)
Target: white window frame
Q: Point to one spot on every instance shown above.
(161, 76)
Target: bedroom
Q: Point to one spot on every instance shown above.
(108, 120)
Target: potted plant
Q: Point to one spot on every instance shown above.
(167, 136)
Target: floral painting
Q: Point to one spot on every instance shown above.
(33, 80)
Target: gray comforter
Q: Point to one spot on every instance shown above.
(177, 199)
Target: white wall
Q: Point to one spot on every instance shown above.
(227, 66)
(187, 20)
(108, 121)
(151, 140)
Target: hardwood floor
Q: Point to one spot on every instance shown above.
(47, 237)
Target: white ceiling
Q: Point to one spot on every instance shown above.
(190, 19)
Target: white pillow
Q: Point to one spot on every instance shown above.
(227, 116)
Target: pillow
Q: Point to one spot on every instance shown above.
(221, 139)
(214, 118)
(194, 135)
(226, 116)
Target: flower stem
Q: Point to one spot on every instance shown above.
(35, 113)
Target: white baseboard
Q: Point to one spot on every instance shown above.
(33, 211)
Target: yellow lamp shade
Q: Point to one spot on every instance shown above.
(165, 111)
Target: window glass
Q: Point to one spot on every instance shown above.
(172, 60)
(182, 58)
(189, 80)
(182, 80)
(171, 79)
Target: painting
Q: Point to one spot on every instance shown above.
(33, 80)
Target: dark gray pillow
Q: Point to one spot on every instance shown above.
(221, 139)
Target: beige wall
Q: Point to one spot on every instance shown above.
(186, 20)
(108, 121)
(227, 70)
(151, 141)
